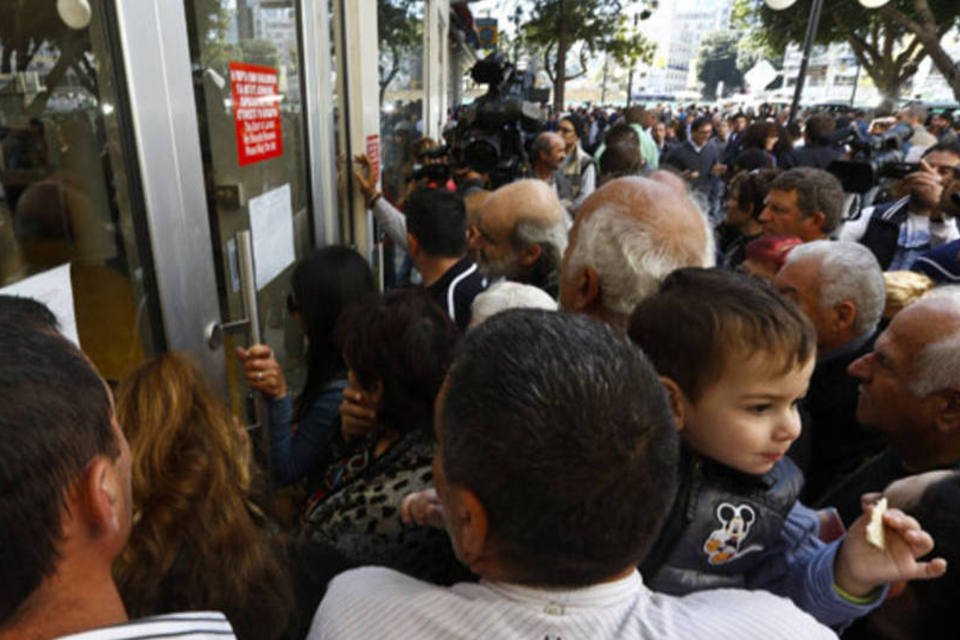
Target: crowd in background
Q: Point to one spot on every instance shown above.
(673, 343)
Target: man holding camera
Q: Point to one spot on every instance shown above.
(900, 231)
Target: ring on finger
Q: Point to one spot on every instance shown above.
(259, 376)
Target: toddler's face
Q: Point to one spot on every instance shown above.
(748, 418)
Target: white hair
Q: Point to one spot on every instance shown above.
(848, 272)
(629, 260)
(937, 366)
(551, 237)
(504, 295)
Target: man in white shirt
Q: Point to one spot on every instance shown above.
(555, 469)
(65, 472)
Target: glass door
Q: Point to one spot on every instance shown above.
(246, 65)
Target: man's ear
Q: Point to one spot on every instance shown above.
(844, 315)
(677, 400)
(103, 496)
(816, 221)
(413, 246)
(469, 523)
(530, 254)
(947, 409)
(586, 290)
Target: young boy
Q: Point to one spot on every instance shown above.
(735, 358)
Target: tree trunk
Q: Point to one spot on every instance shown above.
(560, 75)
(929, 35)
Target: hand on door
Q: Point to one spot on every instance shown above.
(366, 178)
(263, 372)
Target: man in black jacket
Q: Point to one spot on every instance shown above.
(840, 287)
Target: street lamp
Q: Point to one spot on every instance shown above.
(812, 23)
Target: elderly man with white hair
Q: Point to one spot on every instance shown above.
(522, 234)
(629, 235)
(910, 393)
(840, 287)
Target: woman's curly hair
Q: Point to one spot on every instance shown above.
(198, 542)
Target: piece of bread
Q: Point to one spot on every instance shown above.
(875, 527)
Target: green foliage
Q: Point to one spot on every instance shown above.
(717, 62)
(889, 42)
(400, 27)
(596, 26)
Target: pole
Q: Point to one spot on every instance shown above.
(812, 25)
(636, 16)
(856, 82)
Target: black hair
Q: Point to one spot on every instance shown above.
(406, 342)
(701, 122)
(55, 418)
(27, 313)
(437, 218)
(576, 122)
(702, 319)
(324, 284)
(951, 146)
(562, 430)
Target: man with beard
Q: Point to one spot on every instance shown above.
(522, 235)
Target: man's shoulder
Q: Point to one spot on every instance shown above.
(724, 613)
(372, 601)
(199, 625)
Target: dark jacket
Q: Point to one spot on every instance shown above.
(838, 443)
(721, 522)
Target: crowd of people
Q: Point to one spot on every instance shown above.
(660, 386)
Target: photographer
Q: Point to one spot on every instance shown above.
(901, 231)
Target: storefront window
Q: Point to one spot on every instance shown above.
(66, 180)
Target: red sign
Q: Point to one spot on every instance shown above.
(256, 112)
(373, 153)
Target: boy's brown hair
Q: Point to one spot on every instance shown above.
(701, 319)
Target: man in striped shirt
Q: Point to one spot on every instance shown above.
(555, 469)
(67, 501)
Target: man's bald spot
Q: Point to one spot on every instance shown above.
(661, 203)
(531, 200)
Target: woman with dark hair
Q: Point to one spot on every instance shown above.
(762, 135)
(397, 348)
(198, 542)
(324, 284)
(746, 195)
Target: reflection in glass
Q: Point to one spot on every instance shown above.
(65, 196)
(251, 32)
(400, 25)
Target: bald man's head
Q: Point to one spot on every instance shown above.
(628, 236)
(522, 230)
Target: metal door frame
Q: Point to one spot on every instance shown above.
(155, 45)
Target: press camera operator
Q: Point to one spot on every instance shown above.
(901, 230)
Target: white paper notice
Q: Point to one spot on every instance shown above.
(271, 225)
(53, 289)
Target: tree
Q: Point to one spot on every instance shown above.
(557, 26)
(401, 32)
(889, 43)
(717, 62)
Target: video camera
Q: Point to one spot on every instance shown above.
(874, 157)
(436, 171)
(493, 133)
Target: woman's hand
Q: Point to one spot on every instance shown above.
(263, 372)
(423, 508)
(358, 414)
